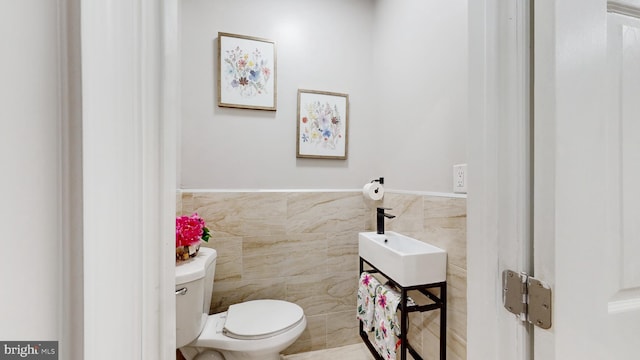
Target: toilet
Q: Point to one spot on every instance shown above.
(252, 330)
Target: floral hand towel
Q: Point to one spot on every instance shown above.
(387, 327)
(366, 300)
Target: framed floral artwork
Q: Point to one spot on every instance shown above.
(246, 72)
(322, 125)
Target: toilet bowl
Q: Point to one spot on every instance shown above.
(252, 330)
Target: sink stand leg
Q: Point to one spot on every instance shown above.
(443, 322)
(403, 325)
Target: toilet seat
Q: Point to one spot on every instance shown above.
(260, 319)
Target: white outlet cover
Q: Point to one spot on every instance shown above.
(460, 178)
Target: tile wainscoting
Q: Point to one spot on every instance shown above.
(303, 247)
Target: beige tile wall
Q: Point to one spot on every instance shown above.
(440, 221)
(303, 247)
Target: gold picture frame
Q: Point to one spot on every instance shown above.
(322, 125)
(247, 72)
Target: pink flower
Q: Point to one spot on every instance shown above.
(190, 230)
(366, 280)
(384, 330)
(382, 300)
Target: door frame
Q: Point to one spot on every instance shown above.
(499, 193)
(128, 166)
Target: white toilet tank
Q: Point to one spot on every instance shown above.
(194, 286)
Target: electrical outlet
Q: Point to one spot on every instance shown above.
(460, 178)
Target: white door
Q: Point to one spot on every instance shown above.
(587, 177)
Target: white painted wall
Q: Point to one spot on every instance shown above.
(321, 45)
(420, 66)
(30, 181)
(403, 64)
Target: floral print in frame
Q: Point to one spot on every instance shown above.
(246, 72)
(322, 125)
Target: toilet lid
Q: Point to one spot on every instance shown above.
(259, 319)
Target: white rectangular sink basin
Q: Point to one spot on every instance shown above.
(406, 260)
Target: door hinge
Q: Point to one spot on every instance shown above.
(527, 297)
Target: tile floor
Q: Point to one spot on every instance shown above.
(349, 352)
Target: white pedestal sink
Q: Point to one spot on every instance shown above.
(406, 260)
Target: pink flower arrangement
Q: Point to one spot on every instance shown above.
(190, 230)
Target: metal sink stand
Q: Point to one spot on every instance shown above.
(437, 303)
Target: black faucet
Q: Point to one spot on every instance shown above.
(380, 217)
